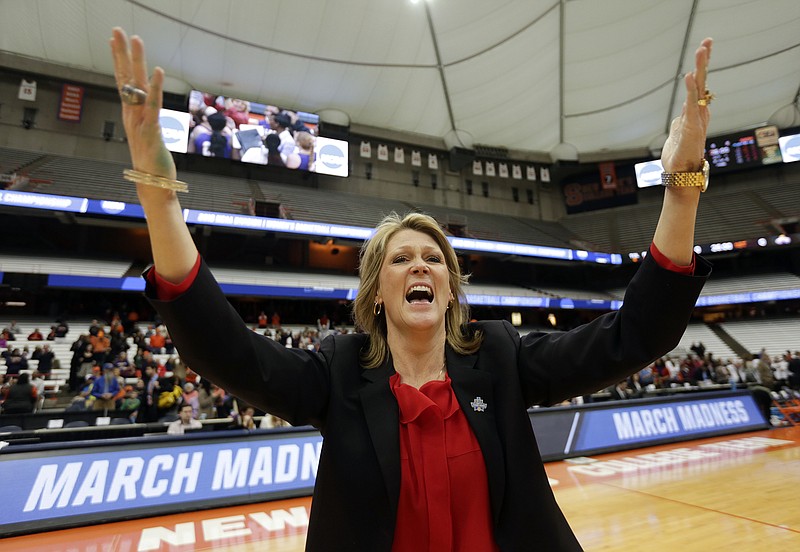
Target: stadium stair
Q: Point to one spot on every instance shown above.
(728, 339)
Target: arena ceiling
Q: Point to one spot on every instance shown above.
(600, 77)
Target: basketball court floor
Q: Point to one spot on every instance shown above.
(739, 492)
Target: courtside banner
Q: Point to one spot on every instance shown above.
(60, 488)
(618, 425)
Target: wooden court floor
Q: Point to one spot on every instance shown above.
(739, 492)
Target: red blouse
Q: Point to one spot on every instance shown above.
(444, 491)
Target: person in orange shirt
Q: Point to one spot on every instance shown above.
(157, 342)
(100, 344)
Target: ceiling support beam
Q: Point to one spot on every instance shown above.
(677, 84)
(440, 67)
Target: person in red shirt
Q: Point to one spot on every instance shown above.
(427, 441)
(35, 335)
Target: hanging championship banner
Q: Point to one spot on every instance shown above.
(71, 104)
(399, 155)
(27, 90)
(433, 161)
(502, 169)
(516, 172)
(416, 158)
(530, 172)
(366, 149)
(383, 152)
(477, 168)
(490, 168)
(544, 174)
(608, 176)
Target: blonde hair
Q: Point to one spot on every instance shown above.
(371, 258)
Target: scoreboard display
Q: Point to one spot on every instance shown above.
(743, 150)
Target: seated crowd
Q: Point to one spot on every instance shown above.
(700, 368)
(120, 367)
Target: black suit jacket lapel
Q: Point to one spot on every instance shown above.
(475, 386)
(383, 420)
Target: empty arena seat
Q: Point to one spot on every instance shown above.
(10, 429)
(77, 423)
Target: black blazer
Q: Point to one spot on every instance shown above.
(358, 480)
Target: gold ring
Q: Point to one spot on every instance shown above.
(706, 99)
(132, 95)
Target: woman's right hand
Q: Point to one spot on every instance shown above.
(174, 252)
(148, 152)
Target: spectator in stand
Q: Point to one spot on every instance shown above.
(21, 397)
(118, 342)
(763, 371)
(149, 412)
(37, 380)
(185, 421)
(794, 370)
(223, 403)
(169, 345)
(191, 397)
(45, 357)
(703, 375)
(699, 349)
(205, 400)
(84, 399)
(115, 325)
(95, 327)
(143, 359)
(244, 419)
(721, 373)
(270, 421)
(35, 335)
(126, 369)
(646, 376)
(77, 349)
(10, 332)
(621, 391)
(130, 402)
(60, 329)
(157, 342)
(262, 320)
(275, 321)
(121, 382)
(169, 397)
(15, 362)
(105, 389)
(87, 362)
(100, 345)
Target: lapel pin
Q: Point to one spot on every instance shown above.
(478, 405)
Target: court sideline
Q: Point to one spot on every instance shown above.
(733, 492)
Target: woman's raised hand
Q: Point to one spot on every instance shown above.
(148, 152)
(174, 252)
(683, 150)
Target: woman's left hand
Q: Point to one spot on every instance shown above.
(683, 150)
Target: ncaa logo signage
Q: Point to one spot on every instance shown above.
(112, 207)
(331, 156)
(649, 173)
(790, 148)
(175, 129)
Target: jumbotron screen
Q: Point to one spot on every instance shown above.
(251, 132)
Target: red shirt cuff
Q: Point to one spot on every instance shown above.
(665, 263)
(167, 291)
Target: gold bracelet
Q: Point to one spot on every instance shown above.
(151, 180)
